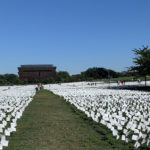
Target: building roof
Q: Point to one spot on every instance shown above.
(37, 65)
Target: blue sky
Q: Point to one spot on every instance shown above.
(72, 34)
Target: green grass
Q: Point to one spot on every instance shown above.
(119, 78)
(49, 123)
(123, 78)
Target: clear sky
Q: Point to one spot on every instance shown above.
(72, 34)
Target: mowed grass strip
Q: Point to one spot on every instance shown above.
(49, 123)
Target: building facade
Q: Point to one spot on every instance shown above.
(36, 72)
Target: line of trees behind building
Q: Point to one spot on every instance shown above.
(90, 74)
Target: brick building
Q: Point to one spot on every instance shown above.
(36, 72)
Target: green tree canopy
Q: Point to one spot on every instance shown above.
(142, 61)
(98, 73)
(12, 78)
(62, 76)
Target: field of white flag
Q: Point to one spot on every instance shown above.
(126, 113)
(13, 101)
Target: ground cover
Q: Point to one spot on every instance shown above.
(49, 123)
(13, 101)
(124, 112)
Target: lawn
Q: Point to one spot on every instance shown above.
(49, 123)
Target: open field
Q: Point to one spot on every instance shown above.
(49, 123)
(84, 117)
(124, 112)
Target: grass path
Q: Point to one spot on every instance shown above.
(49, 123)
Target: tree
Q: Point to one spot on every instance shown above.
(62, 76)
(76, 78)
(98, 73)
(113, 73)
(95, 73)
(11, 78)
(142, 61)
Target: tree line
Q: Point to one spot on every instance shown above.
(90, 74)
